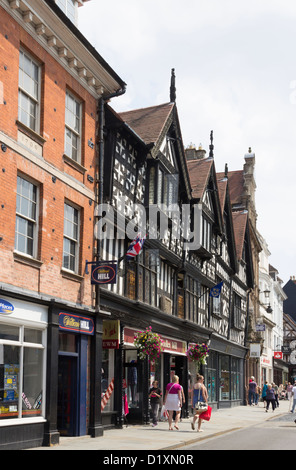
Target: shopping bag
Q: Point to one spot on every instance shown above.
(207, 414)
(164, 413)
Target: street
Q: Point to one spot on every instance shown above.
(276, 434)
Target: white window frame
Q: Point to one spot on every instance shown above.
(72, 130)
(23, 91)
(64, 6)
(29, 220)
(71, 239)
(22, 344)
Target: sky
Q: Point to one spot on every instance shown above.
(235, 66)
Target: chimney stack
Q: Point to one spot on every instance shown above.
(193, 154)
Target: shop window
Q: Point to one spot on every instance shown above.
(107, 376)
(224, 378)
(22, 377)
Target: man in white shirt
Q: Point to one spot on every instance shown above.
(294, 397)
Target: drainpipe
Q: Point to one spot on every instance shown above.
(96, 427)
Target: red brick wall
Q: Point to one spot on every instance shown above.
(46, 278)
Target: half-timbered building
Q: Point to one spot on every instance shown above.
(153, 186)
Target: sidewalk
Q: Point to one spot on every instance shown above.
(146, 437)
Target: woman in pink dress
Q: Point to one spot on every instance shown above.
(173, 401)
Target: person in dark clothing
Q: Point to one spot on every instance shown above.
(252, 391)
(155, 395)
(270, 398)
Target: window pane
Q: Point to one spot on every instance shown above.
(9, 381)
(9, 332)
(33, 336)
(32, 382)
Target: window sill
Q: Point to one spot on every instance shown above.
(71, 275)
(77, 166)
(21, 421)
(30, 133)
(26, 259)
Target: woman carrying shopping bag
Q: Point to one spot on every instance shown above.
(199, 401)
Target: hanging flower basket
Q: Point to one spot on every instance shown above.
(198, 354)
(149, 344)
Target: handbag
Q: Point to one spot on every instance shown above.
(201, 405)
(164, 414)
(206, 415)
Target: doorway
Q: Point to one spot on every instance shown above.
(67, 419)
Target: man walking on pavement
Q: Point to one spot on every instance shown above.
(294, 397)
(252, 391)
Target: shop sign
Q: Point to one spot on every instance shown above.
(104, 272)
(6, 307)
(111, 334)
(278, 355)
(76, 324)
(170, 345)
(173, 345)
(255, 350)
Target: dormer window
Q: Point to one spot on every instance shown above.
(69, 7)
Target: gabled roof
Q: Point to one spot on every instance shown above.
(202, 172)
(152, 125)
(240, 225)
(199, 171)
(222, 189)
(242, 234)
(148, 123)
(236, 185)
(225, 204)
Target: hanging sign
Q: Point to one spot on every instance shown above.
(104, 272)
(278, 355)
(111, 334)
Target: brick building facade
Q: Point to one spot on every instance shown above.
(51, 82)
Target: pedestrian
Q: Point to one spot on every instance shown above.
(270, 398)
(289, 393)
(252, 391)
(173, 401)
(257, 393)
(264, 388)
(294, 397)
(200, 394)
(155, 395)
(276, 394)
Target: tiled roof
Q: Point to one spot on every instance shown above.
(236, 186)
(199, 172)
(222, 185)
(148, 123)
(239, 226)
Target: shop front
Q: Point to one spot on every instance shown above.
(23, 348)
(73, 374)
(128, 400)
(224, 374)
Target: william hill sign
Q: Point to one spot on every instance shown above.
(104, 272)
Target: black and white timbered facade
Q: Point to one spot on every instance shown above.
(152, 187)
